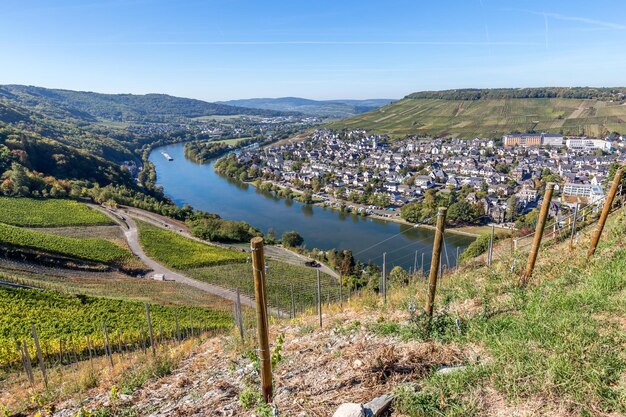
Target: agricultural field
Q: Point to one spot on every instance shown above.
(280, 277)
(179, 252)
(491, 117)
(31, 212)
(96, 250)
(109, 284)
(233, 141)
(63, 319)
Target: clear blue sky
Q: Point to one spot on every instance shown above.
(226, 49)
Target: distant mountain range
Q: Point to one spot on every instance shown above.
(320, 108)
(89, 106)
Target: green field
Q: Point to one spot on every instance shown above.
(71, 318)
(491, 117)
(280, 277)
(30, 212)
(233, 141)
(180, 252)
(96, 250)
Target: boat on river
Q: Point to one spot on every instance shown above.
(167, 156)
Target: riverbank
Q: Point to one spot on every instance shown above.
(470, 231)
(199, 186)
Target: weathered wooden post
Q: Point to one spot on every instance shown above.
(151, 334)
(541, 224)
(384, 278)
(107, 345)
(42, 365)
(258, 269)
(422, 266)
(605, 211)
(28, 368)
(571, 239)
(239, 315)
(434, 263)
(490, 256)
(319, 296)
(293, 304)
(177, 327)
(457, 258)
(341, 291)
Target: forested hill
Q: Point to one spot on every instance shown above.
(470, 113)
(89, 106)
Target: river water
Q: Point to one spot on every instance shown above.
(198, 185)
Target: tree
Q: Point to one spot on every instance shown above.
(307, 196)
(511, 209)
(462, 213)
(292, 238)
(398, 276)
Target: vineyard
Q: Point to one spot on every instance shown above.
(74, 323)
(31, 212)
(229, 269)
(180, 252)
(281, 278)
(96, 250)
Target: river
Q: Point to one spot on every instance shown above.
(198, 185)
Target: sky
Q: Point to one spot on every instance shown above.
(229, 49)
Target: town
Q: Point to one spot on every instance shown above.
(501, 179)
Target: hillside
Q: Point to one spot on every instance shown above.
(493, 348)
(320, 108)
(492, 113)
(90, 106)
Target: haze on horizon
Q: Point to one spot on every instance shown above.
(221, 50)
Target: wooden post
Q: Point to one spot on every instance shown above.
(415, 263)
(191, 323)
(434, 263)
(605, 211)
(571, 239)
(422, 266)
(293, 304)
(541, 224)
(258, 269)
(240, 315)
(89, 350)
(457, 259)
(143, 340)
(107, 345)
(177, 328)
(42, 365)
(28, 368)
(150, 333)
(319, 296)
(340, 292)
(384, 284)
(490, 257)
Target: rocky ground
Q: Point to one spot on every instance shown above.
(318, 371)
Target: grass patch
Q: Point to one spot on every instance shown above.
(96, 250)
(179, 252)
(556, 345)
(31, 212)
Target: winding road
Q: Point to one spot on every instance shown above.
(132, 237)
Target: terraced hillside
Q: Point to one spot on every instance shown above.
(492, 117)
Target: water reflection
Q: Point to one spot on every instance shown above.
(325, 228)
